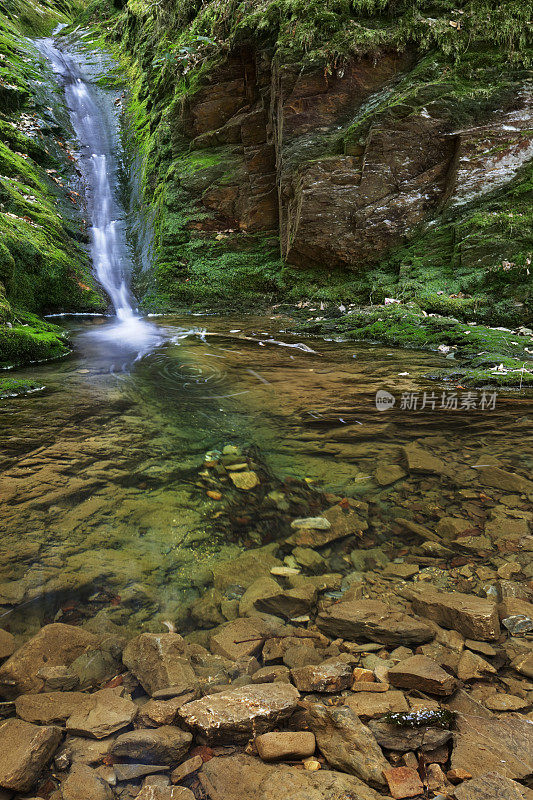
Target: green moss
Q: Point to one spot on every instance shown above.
(485, 355)
(13, 387)
(206, 273)
(29, 339)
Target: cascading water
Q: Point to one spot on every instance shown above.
(97, 136)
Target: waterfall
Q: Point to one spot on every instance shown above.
(97, 138)
(98, 165)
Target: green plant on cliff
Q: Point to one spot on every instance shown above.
(43, 264)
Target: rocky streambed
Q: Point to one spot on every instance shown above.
(317, 666)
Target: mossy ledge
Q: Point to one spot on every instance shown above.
(479, 355)
(44, 264)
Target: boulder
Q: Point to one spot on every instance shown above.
(165, 745)
(244, 569)
(108, 712)
(346, 743)
(422, 673)
(84, 783)
(472, 666)
(503, 745)
(25, 750)
(374, 621)
(238, 714)
(240, 638)
(330, 676)
(54, 645)
(159, 661)
(371, 704)
(186, 768)
(403, 740)
(50, 707)
(474, 617)
(285, 745)
(490, 786)
(343, 522)
(288, 783)
(403, 782)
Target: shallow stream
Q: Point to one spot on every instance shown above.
(104, 489)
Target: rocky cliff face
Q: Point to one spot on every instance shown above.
(338, 173)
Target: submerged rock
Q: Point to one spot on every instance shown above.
(346, 743)
(242, 777)
(474, 617)
(285, 745)
(165, 745)
(490, 786)
(109, 711)
(240, 638)
(7, 644)
(423, 674)
(330, 676)
(54, 645)
(25, 749)
(84, 783)
(373, 620)
(403, 740)
(51, 707)
(159, 661)
(237, 714)
(502, 745)
(369, 705)
(403, 782)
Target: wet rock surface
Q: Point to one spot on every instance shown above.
(238, 713)
(25, 750)
(374, 621)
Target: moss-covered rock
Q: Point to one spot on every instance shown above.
(28, 339)
(44, 264)
(480, 355)
(14, 387)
